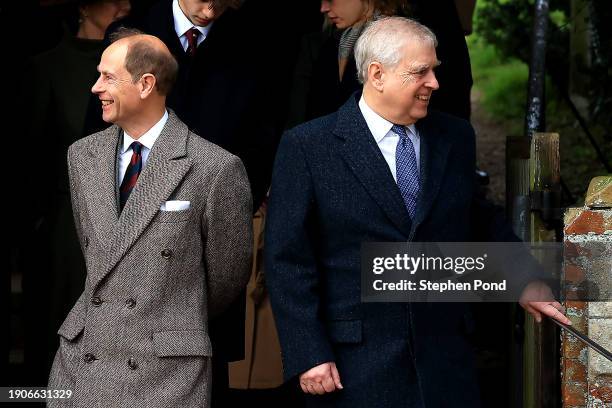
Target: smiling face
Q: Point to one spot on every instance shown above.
(347, 13)
(202, 13)
(120, 96)
(409, 85)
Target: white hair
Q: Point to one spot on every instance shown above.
(384, 40)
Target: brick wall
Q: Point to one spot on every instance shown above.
(586, 375)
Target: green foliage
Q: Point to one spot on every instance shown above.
(508, 25)
(499, 51)
(502, 83)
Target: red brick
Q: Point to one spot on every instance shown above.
(588, 221)
(601, 388)
(572, 348)
(574, 394)
(604, 394)
(576, 304)
(574, 371)
(573, 273)
(578, 250)
(570, 250)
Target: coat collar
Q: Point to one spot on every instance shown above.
(365, 160)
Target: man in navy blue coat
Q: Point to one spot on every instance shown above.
(379, 170)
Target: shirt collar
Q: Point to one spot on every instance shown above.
(182, 23)
(379, 126)
(148, 138)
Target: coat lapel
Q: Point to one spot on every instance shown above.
(434, 152)
(368, 164)
(165, 168)
(101, 194)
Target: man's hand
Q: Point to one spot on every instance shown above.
(538, 299)
(321, 379)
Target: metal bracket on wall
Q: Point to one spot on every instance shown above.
(548, 204)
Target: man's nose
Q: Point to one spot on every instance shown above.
(433, 82)
(97, 87)
(325, 7)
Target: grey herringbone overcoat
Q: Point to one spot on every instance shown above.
(138, 336)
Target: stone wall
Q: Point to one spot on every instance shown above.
(586, 375)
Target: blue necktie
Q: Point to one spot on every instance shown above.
(406, 169)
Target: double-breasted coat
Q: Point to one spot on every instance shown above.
(138, 335)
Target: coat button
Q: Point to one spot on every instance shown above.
(132, 364)
(89, 358)
(96, 301)
(130, 303)
(166, 253)
(86, 242)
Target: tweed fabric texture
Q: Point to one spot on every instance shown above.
(154, 278)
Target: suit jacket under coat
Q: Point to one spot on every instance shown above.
(331, 191)
(153, 277)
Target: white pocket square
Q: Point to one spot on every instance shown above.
(175, 205)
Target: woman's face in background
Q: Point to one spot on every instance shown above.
(347, 13)
(103, 13)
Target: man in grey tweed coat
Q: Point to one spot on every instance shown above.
(163, 254)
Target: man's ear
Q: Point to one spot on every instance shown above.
(376, 75)
(147, 84)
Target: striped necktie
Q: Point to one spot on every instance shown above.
(406, 169)
(131, 174)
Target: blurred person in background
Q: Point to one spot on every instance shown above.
(325, 74)
(59, 109)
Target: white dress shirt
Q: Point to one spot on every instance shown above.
(386, 139)
(182, 24)
(147, 140)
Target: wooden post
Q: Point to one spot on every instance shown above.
(540, 358)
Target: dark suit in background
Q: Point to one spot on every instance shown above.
(219, 92)
(317, 89)
(455, 72)
(331, 191)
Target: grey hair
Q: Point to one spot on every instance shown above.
(383, 41)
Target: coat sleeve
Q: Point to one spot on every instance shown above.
(292, 276)
(228, 231)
